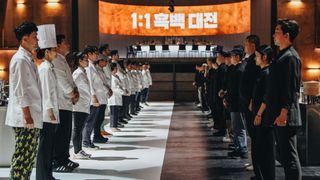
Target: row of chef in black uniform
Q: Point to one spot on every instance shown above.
(257, 88)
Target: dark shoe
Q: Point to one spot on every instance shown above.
(127, 118)
(219, 133)
(123, 122)
(243, 155)
(130, 116)
(100, 140)
(134, 114)
(72, 164)
(63, 169)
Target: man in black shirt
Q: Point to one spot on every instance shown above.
(209, 75)
(218, 81)
(282, 97)
(232, 102)
(248, 79)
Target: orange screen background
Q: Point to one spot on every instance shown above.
(233, 18)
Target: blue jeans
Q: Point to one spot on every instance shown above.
(89, 125)
(239, 132)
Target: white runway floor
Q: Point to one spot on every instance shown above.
(135, 153)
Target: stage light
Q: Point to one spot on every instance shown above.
(171, 6)
(295, 2)
(20, 3)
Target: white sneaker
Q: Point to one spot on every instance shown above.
(81, 155)
(249, 168)
(226, 139)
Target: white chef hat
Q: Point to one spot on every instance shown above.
(47, 36)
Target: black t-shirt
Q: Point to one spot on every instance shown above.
(259, 94)
(233, 95)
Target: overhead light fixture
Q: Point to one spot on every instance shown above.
(20, 3)
(295, 2)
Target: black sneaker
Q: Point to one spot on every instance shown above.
(219, 133)
(123, 122)
(243, 155)
(100, 140)
(72, 164)
(62, 169)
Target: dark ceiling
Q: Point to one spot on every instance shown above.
(176, 2)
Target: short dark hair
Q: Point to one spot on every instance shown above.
(289, 26)
(25, 29)
(113, 66)
(114, 52)
(103, 47)
(267, 51)
(254, 39)
(41, 52)
(78, 56)
(60, 38)
(90, 49)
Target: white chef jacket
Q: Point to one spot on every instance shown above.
(105, 80)
(49, 88)
(96, 84)
(149, 77)
(136, 80)
(145, 82)
(82, 82)
(65, 82)
(141, 81)
(24, 90)
(116, 86)
(122, 74)
(107, 72)
(131, 82)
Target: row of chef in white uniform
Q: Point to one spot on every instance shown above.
(45, 101)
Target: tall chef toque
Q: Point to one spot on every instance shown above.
(47, 36)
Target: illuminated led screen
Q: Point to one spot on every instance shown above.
(120, 19)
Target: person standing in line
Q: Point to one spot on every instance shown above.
(283, 90)
(100, 65)
(150, 83)
(219, 128)
(115, 101)
(133, 85)
(98, 96)
(81, 109)
(24, 112)
(249, 76)
(232, 102)
(67, 96)
(124, 80)
(263, 130)
(49, 86)
(146, 83)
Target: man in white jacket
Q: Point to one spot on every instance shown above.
(147, 82)
(24, 109)
(67, 96)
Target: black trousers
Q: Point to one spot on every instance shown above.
(63, 137)
(133, 104)
(126, 104)
(79, 119)
(219, 118)
(99, 121)
(263, 152)
(144, 95)
(45, 151)
(138, 99)
(89, 125)
(286, 138)
(114, 116)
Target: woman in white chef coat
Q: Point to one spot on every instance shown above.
(24, 112)
(47, 52)
(98, 96)
(115, 101)
(81, 109)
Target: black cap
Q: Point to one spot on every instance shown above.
(237, 51)
(218, 49)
